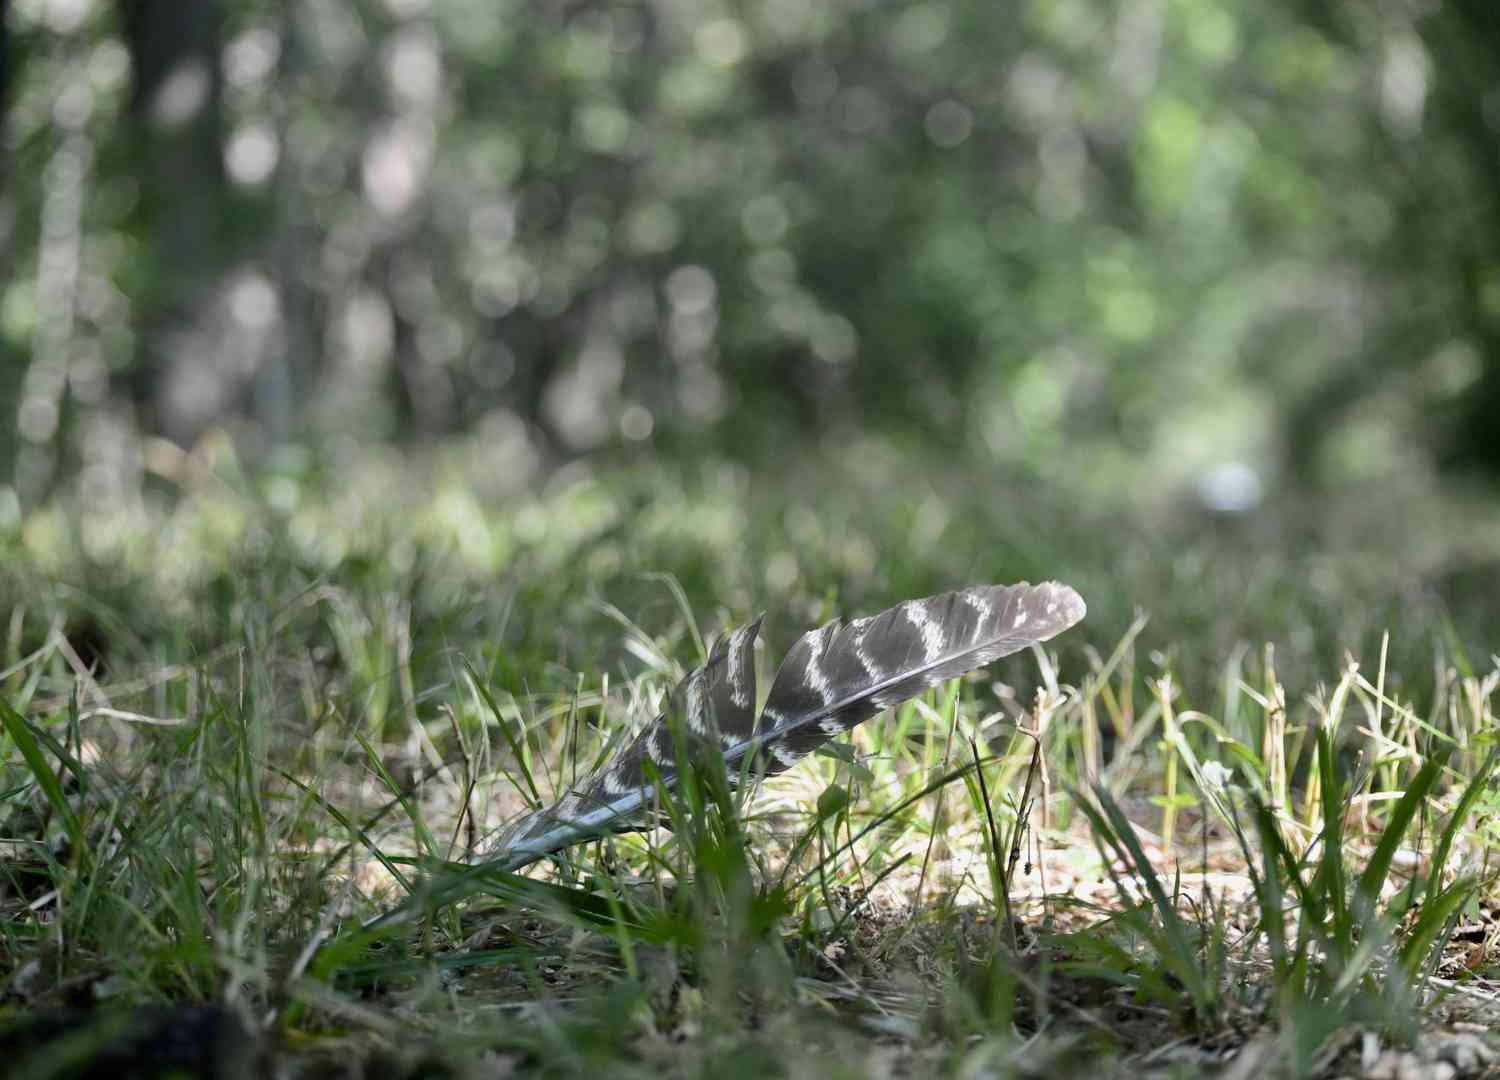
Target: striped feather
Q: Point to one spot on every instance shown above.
(833, 679)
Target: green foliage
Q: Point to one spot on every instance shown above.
(218, 801)
(26, 740)
(1124, 250)
(1176, 966)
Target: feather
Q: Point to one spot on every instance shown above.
(833, 679)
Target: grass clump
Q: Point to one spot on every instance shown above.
(1125, 850)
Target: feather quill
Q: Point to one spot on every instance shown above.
(833, 679)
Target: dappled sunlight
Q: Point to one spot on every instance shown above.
(406, 396)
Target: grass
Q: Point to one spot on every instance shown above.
(241, 721)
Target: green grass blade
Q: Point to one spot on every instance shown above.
(1478, 786)
(1407, 807)
(505, 732)
(425, 839)
(21, 734)
(1434, 917)
(1329, 880)
(349, 825)
(1174, 945)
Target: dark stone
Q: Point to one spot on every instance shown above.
(148, 1043)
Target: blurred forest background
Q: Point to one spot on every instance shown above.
(1159, 253)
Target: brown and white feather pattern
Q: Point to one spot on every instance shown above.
(833, 678)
